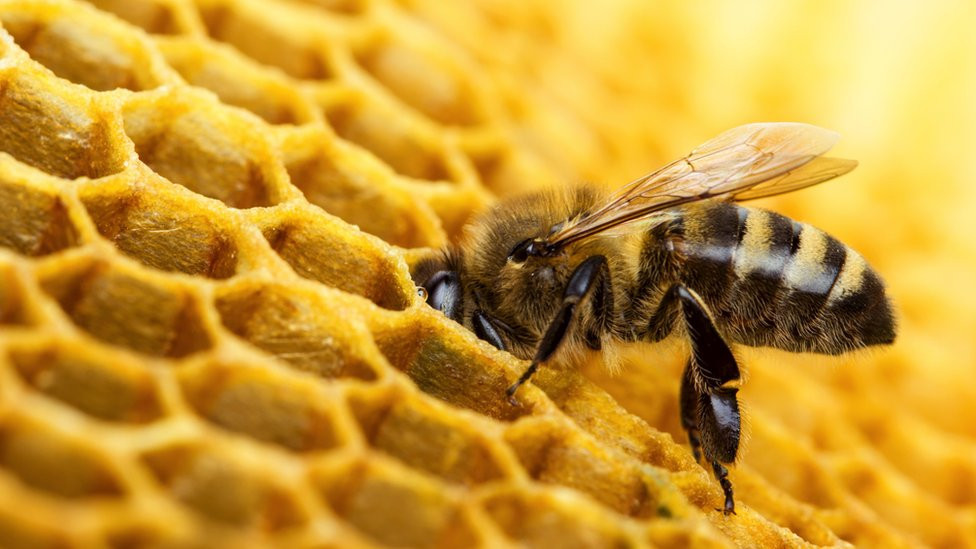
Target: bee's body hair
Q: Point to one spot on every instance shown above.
(767, 280)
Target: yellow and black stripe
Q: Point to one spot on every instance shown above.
(771, 281)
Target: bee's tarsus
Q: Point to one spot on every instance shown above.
(510, 392)
(722, 474)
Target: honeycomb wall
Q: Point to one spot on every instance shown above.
(209, 336)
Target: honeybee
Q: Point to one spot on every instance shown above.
(671, 252)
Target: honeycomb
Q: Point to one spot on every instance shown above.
(209, 336)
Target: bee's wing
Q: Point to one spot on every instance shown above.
(744, 163)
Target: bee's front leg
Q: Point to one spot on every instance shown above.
(709, 406)
(582, 280)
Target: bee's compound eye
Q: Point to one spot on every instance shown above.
(443, 291)
(422, 292)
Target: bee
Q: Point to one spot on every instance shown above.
(672, 252)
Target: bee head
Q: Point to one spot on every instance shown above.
(532, 279)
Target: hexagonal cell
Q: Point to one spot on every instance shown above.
(448, 368)
(61, 134)
(299, 50)
(155, 16)
(506, 170)
(134, 531)
(394, 505)
(84, 46)
(351, 7)
(540, 519)
(18, 533)
(87, 380)
(555, 454)
(163, 230)
(423, 438)
(425, 76)
(454, 205)
(122, 308)
(385, 133)
(256, 402)
(221, 489)
(297, 327)
(237, 80)
(47, 461)
(323, 250)
(12, 298)
(205, 147)
(35, 222)
(336, 177)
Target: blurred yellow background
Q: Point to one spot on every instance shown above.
(896, 79)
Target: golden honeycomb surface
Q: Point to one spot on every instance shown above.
(208, 332)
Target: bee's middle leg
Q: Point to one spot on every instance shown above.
(709, 407)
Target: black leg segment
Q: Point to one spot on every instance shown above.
(689, 409)
(722, 474)
(709, 407)
(719, 424)
(581, 282)
(713, 357)
(485, 329)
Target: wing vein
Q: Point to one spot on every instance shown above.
(744, 163)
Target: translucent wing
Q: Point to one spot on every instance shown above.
(744, 163)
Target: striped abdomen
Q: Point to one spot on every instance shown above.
(770, 281)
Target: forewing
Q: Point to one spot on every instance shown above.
(747, 162)
(818, 170)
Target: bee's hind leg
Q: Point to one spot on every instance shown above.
(708, 393)
(689, 410)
